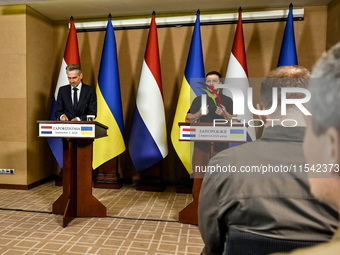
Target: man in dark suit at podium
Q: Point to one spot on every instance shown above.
(76, 100)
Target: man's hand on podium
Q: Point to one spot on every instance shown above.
(64, 118)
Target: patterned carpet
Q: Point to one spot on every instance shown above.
(138, 222)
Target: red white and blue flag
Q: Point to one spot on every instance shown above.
(71, 56)
(148, 141)
(46, 130)
(237, 72)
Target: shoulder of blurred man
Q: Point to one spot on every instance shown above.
(252, 150)
(235, 166)
(277, 146)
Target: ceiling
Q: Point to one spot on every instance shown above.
(58, 10)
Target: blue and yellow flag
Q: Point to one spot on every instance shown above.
(110, 111)
(194, 69)
(288, 55)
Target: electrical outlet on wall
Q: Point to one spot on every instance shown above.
(7, 171)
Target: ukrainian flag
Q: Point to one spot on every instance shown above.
(193, 69)
(237, 133)
(86, 130)
(109, 100)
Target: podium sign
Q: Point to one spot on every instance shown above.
(77, 136)
(66, 129)
(213, 133)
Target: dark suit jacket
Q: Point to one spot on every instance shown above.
(87, 104)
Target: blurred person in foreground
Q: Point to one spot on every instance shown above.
(274, 205)
(322, 141)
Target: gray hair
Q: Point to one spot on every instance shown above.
(72, 67)
(325, 91)
(283, 77)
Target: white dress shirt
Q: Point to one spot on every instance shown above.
(78, 96)
(78, 92)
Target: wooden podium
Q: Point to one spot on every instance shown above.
(77, 199)
(209, 140)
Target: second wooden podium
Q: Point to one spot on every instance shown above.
(77, 199)
(209, 140)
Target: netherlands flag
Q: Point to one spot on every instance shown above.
(188, 133)
(71, 56)
(46, 130)
(148, 141)
(238, 72)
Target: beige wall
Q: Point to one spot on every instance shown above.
(31, 50)
(39, 41)
(13, 132)
(25, 71)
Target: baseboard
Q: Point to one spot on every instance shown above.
(53, 177)
(13, 186)
(29, 186)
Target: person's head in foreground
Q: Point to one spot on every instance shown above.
(322, 140)
(284, 77)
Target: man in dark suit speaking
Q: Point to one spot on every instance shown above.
(76, 100)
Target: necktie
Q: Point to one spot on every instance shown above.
(75, 97)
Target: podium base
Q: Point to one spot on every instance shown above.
(186, 216)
